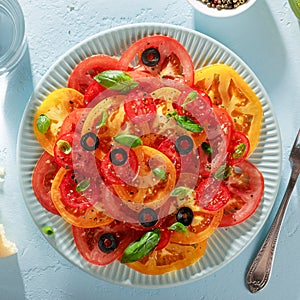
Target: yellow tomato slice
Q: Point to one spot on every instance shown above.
(105, 120)
(204, 222)
(147, 189)
(171, 258)
(89, 218)
(229, 90)
(56, 106)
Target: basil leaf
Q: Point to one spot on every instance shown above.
(64, 146)
(190, 98)
(239, 151)
(102, 119)
(179, 227)
(181, 191)
(128, 140)
(188, 124)
(206, 148)
(223, 172)
(160, 173)
(43, 123)
(142, 247)
(82, 185)
(116, 80)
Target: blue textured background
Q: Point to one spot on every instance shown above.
(266, 37)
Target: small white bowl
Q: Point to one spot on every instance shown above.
(213, 12)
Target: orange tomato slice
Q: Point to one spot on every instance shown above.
(229, 90)
(171, 258)
(56, 106)
(89, 218)
(147, 189)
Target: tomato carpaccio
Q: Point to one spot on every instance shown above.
(146, 163)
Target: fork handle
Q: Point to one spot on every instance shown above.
(260, 269)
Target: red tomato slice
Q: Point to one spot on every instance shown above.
(74, 120)
(238, 148)
(78, 199)
(116, 237)
(161, 56)
(87, 218)
(123, 170)
(165, 236)
(212, 195)
(246, 186)
(84, 73)
(183, 162)
(62, 156)
(43, 174)
(140, 106)
(95, 89)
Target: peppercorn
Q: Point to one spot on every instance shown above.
(223, 4)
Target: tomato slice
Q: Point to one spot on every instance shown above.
(212, 195)
(77, 199)
(56, 106)
(148, 190)
(63, 151)
(204, 222)
(73, 121)
(172, 257)
(43, 174)
(140, 106)
(228, 89)
(84, 73)
(246, 186)
(116, 237)
(238, 148)
(161, 56)
(124, 170)
(87, 218)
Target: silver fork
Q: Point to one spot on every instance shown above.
(260, 269)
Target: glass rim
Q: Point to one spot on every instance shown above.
(16, 50)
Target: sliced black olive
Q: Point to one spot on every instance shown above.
(148, 217)
(184, 144)
(118, 156)
(150, 57)
(89, 141)
(107, 242)
(185, 216)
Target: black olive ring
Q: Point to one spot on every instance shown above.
(89, 146)
(184, 150)
(150, 57)
(143, 213)
(118, 156)
(185, 216)
(107, 243)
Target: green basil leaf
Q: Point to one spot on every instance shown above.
(188, 124)
(64, 146)
(43, 123)
(239, 151)
(223, 172)
(128, 140)
(48, 230)
(206, 148)
(181, 191)
(160, 173)
(102, 119)
(116, 80)
(82, 185)
(179, 227)
(142, 247)
(190, 98)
